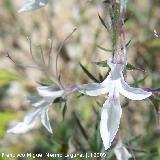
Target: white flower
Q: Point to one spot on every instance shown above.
(121, 152)
(48, 94)
(30, 5)
(111, 110)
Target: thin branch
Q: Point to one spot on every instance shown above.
(61, 46)
(49, 53)
(8, 56)
(42, 55)
(21, 65)
(30, 47)
(43, 69)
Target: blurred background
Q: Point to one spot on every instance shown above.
(78, 132)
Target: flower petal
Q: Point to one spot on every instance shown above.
(116, 69)
(26, 125)
(121, 152)
(110, 120)
(45, 119)
(92, 89)
(50, 91)
(35, 101)
(30, 5)
(131, 92)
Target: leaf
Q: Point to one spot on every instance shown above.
(89, 74)
(96, 140)
(106, 1)
(80, 126)
(155, 102)
(45, 82)
(128, 43)
(137, 82)
(64, 109)
(104, 24)
(104, 49)
(126, 19)
(59, 100)
(101, 63)
(110, 50)
(131, 67)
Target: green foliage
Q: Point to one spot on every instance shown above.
(104, 49)
(104, 24)
(138, 81)
(6, 117)
(7, 77)
(89, 74)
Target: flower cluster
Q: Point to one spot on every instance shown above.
(111, 110)
(48, 95)
(112, 86)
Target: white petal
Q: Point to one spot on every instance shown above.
(107, 83)
(121, 152)
(92, 89)
(116, 69)
(131, 92)
(110, 120)
(26, 125)
(30, 5)
(35, 101)
(43, 105)
(45, 119)
(50, 91)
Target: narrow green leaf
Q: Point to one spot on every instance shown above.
(133, 139)
(80, 95)
(80, 126)
(126, 19)
(128, 66)
(110, 50)
(104, 24)
(89, 74)
(137, 82)
(106, 1)
(45, 82)
(97, 134)
(64, 109)
(104, 49)
(101, 63)
(128, 43)
(131, 67)
(155, 102)
(59, 100)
